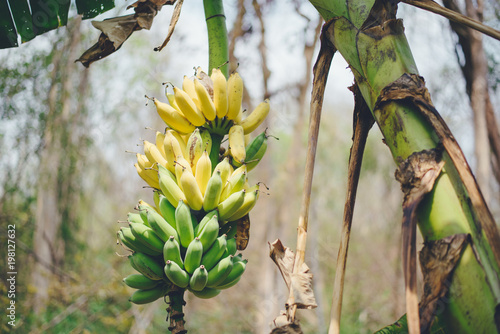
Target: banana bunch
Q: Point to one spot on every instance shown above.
(187, 238)
(178, 246)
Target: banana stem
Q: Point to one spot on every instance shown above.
(175, 312)
(218, 51)
(214, 151)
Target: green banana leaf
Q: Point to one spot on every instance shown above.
(30, 18)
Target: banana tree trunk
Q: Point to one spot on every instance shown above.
(372, 41)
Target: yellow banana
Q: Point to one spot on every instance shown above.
(180, 165)
(194, 147)
(172, 149)
(173, 118)
(235, 183)
(171, 101)
(237, 143)
(256, 117)
(153, 154)
(203, 172)
(159, 143)
(220, 92)
(225, 169)
(207, 106)
(191, 190)
(148, 175)
(234, 95)
(180, 140)
(169, 186)
(189, 88)
(188, 107)
(143, 161)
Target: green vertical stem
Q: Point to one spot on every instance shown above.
(214, 151)
(218, 51)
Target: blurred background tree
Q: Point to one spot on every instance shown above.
(67, 177)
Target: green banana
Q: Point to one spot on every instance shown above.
(139, 281)
(162, 228)
(128, 239)
(156, 198)
(209, 233)
(218, 274)
(229, 229)
(214, 253)
(206, 293)
(146, 265)
(194, 253)
(235, 274)
(142, 214)
(204, 221)
(230, 247)
(198, 279)
(145, 296)
(249, 202)
(176, 274)
(147, 236)
(135, 218)
(167, 210)
(255, 151)
(172, 251)
(184, 224)
(213, 191)
(235, 183)
(229, 206)
(169, 186)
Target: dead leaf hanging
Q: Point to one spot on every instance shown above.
(115, 31)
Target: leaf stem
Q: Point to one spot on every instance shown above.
(218, 51)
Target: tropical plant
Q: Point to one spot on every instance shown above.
(461, 255)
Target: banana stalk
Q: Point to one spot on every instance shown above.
(218, 51)
(373, 43)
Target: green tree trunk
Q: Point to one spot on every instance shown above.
(372, 41)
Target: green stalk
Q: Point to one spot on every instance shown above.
(218, 51)
(214, 151)
(376, 61)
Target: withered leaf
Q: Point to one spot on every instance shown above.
(284, 258)
(117, 30)
(299, 284)
(438, 259)
(242, 232)
(303, 294)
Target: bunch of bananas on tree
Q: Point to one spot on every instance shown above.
(201, 190)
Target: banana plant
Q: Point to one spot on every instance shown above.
(460, 259)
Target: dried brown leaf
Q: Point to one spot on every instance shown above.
(417, 175)
(438, 259)
(242, 232)
(299, 283)
(173, 22)
(303, 294)
(117, 30)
